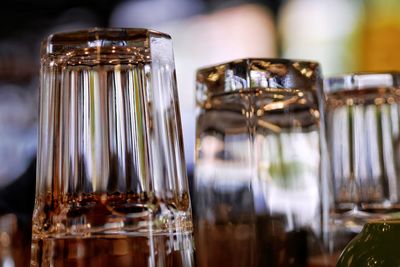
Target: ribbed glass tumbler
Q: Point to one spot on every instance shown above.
(111, 185)
(363, 134)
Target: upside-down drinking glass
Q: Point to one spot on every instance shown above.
(363, 134)
(111, 184)
(259, 189)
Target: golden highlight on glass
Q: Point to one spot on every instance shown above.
(111, 184)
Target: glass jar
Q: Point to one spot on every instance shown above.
(375, 246)
(259, 189)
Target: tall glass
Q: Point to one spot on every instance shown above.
(111, 184)
(259, 190)
(363, 134)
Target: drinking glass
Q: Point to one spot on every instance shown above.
(111, 183)
(259, 189)
(362, 127)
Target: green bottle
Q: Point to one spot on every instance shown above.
(375, 246)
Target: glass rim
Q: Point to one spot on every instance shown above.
(361, 81)
(61, 43)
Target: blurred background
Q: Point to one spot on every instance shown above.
(343, 35)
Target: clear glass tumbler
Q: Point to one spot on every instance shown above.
(258, 186)
(111, 183)
(363, 134)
